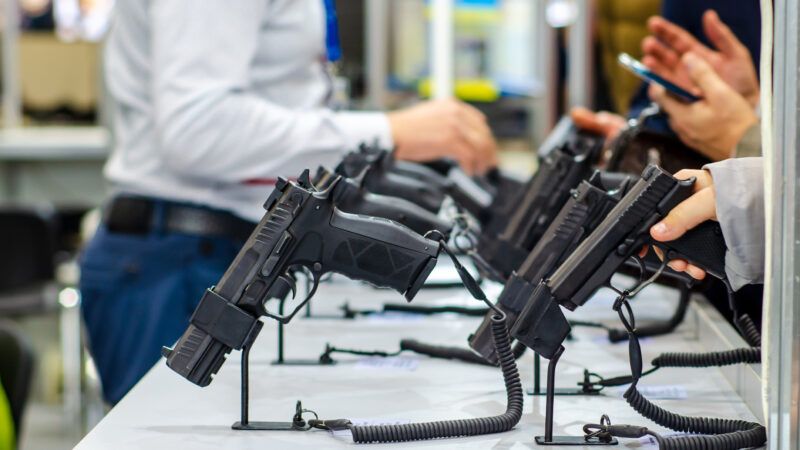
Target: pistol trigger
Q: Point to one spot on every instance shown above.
(290, 283)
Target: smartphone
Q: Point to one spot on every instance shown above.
(640, 70)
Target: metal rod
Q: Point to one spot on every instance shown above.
(782, 286)
(537, 374)
(551, 394)
(580, 57)
(280, 332)
(376, 48)
(442, 43)
(245, 385)
(12, 105)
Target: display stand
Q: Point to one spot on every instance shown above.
(587, 388)
(244, 423)
(281, 360)
(548, 438)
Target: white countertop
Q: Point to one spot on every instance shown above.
(164, 411)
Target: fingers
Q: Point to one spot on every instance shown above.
(680, 265)
(665, 56)
(698, 208)
(721, 35)
(702, 177)
(605, 123)
(461, 149)
(704, 76)
(477, 132)
(676, 37)
(480, 144)
(585, 119)
(672, 106)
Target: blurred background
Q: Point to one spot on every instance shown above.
(522, 62)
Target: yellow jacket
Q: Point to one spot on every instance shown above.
(6, 423)
(621, 26)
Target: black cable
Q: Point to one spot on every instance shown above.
(421, 348)
(749, 330)
(749, 355)
(658, 328)
(714, 433)
(453, 428)
(462, 427)
(433, 309)
(454, 353)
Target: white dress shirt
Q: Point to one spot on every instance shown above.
(214, 98)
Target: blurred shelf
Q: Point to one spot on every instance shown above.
(54, 143)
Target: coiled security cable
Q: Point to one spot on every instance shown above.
(749, 330)
(747, 355)
(711, 433)
(458, 427)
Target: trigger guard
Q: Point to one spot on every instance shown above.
(285, 319)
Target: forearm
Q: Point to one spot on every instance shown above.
(236, 137)
(739, 192)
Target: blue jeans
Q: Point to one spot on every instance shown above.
(138, 293)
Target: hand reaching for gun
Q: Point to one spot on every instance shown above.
(698, 208)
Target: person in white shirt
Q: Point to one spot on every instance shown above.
(212, 101)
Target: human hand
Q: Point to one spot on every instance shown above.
(693, 211)
(444, 129)
(603, 122)
(730, 60)
(716, 123)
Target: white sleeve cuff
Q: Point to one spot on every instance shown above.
(365, 127)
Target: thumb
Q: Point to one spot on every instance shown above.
(703, 75)
(688, 214)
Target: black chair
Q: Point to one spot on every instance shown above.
(16, 370)
(28, 243)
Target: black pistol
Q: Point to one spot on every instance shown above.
(442, 176)
(374, 171)
(587, 207)
(302, 227)
(350, 197)
(560, 171)
(620, 236)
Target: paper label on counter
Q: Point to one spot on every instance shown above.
(390, 363)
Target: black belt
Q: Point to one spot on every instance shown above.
(141, 215)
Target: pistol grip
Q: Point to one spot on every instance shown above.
(703, 246)
(380, 252)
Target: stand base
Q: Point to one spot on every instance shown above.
(302, 362)
(271, 426)
(573, 441)
(563, 391)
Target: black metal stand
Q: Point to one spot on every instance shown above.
(537, 383)
(244, 423)
(548, 438)
(281, 361)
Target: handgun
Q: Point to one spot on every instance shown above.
(374, 170)
(350, 197)
(620, 236)
(586, 208)
(471, 194)
(560, 171)
(302, 227)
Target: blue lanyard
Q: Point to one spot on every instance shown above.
(332, 42)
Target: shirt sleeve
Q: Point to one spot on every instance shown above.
(209, 123)
(739, 188)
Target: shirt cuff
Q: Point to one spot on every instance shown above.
(740, 210)
(365, 128)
